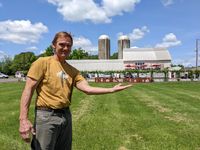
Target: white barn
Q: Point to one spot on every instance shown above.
(147, 57)
(133, 58)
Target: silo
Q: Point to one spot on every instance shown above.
(104, 47)
(123, 42)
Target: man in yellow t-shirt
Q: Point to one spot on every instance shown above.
(54, 74)
(53, 79)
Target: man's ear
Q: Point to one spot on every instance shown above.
(53, 47)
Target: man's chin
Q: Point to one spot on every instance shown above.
(64, 56)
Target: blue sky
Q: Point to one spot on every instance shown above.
(30, 25)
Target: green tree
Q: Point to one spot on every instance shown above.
(114, 56)
(5, 65)
(23, 61)
(92, 56)
(78, 54)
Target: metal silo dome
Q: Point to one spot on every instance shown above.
(124, 37)
(104, 37)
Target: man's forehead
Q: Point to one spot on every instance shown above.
(64, 40)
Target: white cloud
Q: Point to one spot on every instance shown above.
(21, 31)
(167, 2)
(74, 10)
(138, 33)
(84, 43)
(117, 7)
(78, 10)
(169, 40)
(32, 48)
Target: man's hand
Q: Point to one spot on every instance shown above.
(25, 129)
(25, 126)
(120, 87)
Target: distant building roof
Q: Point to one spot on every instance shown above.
(97, 65)
(143, 54)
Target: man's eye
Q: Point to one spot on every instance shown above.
(64, 44)
(61, 44)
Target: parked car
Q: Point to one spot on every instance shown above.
(3, 75)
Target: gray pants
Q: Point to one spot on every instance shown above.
(53, 131)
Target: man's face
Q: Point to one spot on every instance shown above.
(63, 47)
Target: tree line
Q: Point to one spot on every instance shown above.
(23, 61)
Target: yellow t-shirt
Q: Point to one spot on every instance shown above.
(56, 82)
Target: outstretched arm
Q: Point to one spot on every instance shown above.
(25, 125)
(90, 90)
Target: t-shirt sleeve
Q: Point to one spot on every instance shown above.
(78, 78)
(37, 69)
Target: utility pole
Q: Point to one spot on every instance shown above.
(197, 53)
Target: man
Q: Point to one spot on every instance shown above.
(53, 78)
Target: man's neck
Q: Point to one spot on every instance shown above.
(61, 60)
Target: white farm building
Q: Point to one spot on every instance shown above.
(133, 58)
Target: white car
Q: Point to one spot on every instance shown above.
(3, 75)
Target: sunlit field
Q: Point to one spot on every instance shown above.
(147, 116)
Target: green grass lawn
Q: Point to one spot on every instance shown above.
(152, 116)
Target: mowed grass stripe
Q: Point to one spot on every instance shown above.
(139, 118)
(150, 126)
(99, 125)
(165, 125)
(10, 94)
(12, 86)
(190, 89)
(175, 109)
(123, 120)
(91, 125)
(173, 98)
